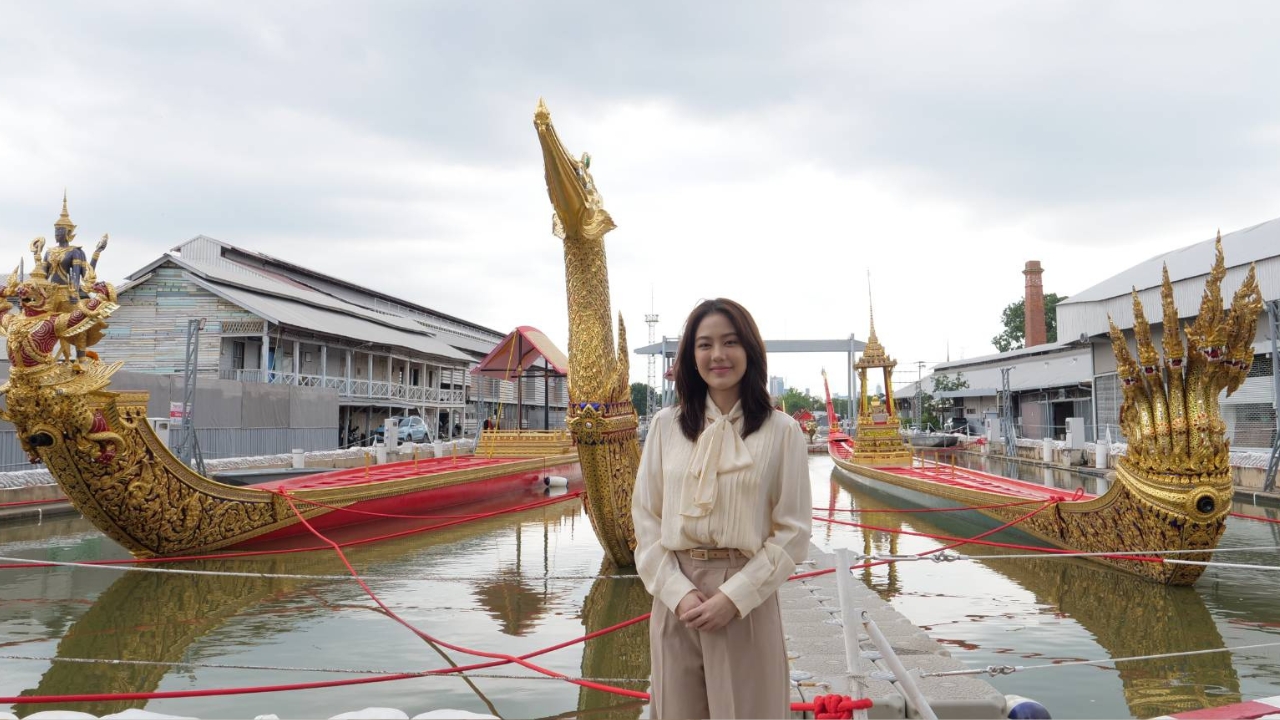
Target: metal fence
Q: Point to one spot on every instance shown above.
(1250, 412)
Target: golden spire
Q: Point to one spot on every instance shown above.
(64, 220)
(871, 304)
(874, 355)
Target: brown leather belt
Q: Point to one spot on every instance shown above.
(713, 553)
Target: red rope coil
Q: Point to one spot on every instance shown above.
(833, 706)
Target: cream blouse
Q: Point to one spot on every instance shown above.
(725, 491)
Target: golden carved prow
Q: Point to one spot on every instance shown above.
(1179, 455)
(601, 417)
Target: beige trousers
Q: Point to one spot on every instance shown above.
(738, 671)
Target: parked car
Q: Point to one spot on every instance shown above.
(411, 429)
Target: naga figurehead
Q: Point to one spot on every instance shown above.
(48, 383)
(1178, 459)
(597, 373)
(601, 417)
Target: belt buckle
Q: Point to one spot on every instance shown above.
(700, 554)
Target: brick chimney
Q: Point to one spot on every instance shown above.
(1033, 326)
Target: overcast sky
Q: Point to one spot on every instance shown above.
(770, 153)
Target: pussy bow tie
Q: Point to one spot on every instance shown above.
(719, 449)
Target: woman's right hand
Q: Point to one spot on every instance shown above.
(691, 600)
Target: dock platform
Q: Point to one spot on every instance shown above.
(815, 646)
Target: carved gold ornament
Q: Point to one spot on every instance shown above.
(601, 417)
(1173, 489)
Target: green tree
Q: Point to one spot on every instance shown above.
(939, 409)
(943, 382)
(1014, 320)
(638, 397)
(933, 410)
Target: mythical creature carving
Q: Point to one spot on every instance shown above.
(1178, 458)
(1173, 488)
(602, 419)
(65, 265)
(97, 444)
(51, 314)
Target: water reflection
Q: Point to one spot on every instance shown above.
(620, 654)
(147, 617)
(1126, 615)
(509, 597)
(156, 618)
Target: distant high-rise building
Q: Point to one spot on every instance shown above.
(777, 386)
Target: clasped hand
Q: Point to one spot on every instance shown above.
(699, 613)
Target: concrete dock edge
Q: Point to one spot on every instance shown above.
(815, 646)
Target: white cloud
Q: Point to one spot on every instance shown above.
(770, 155)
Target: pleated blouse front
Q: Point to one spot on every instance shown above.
(763, 509)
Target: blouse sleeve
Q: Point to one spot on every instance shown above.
(788, 542)
(657, 565)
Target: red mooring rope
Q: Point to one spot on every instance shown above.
(1255, 517)
(962, 508)
(831, 706)
(19, 503)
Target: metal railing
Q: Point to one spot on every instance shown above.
(353, 388)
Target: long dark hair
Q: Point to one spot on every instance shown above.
(753, 392)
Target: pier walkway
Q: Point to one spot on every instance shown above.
(815, 645)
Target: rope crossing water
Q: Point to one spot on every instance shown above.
(1137, 555)
(292, 668)
(994, 670)
(292, 576)
(830, 706)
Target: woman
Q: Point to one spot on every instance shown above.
(722, 513)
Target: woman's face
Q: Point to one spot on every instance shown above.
(718, 352)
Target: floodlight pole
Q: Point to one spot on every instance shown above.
(1273, 465)
(189, 447)
(1006, 414)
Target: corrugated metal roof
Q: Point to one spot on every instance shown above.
(211, 250)
(1005, 358)
(1048, 371)
(1252, 244)
(204, 256)
(968, 392)
(292, 313)
(1085, 313)
(478, 348)
(1091, 318)
(1067, 367)
(227, 274)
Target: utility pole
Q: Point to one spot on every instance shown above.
(1273, 465)
(651, 319)
(189, 447)
(850, 415)
(920, 395)
(1006, 414)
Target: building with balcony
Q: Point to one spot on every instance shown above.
(268, 321)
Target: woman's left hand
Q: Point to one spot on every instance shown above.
(712, 614)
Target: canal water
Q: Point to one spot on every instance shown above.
(520, 582)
